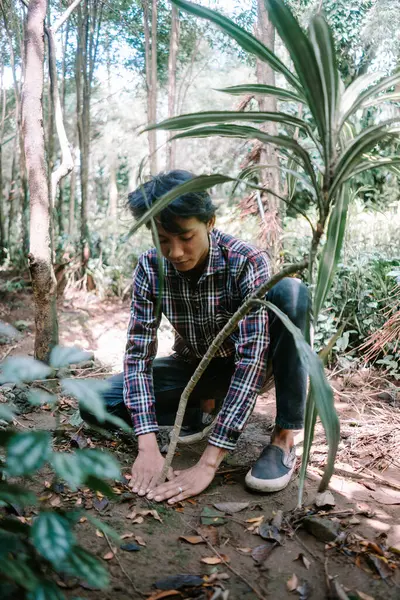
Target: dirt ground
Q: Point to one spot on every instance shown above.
(366, 489)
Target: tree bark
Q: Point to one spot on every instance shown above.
(40, 259)
(12, 194)
(151, 77)
(172, 60)
(3, 93)
(272, 226)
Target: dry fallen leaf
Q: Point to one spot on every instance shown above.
(126, 536)
(210, 533)
(363, 596)
(244, 550)
(217, 577)
(108, 556)
(82, 520)
(137, 515)
(261, 553)
(255, 523)
(99, 534)
(192, 539)
(325, 499)
(166, 594)
(215, 560)
(140, 540)
(292, 583)
(56, 501)
(304, 560)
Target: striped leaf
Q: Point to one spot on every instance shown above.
(204, 118)
(303, 57)
(263, 90)
(248, 42)
(394, 97)
(320, 393)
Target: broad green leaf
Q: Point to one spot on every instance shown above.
(248, 42)
(88, 392)
(13, 525)
(246, 132)
(52, 537)
(19, 572)
(19, 369)
(46, 591)
(332, 249)
(67, 467)
(204, 118)
(197, 184)
(263, 90)
(85, 566)
(39, 397)
(61, 356)
(6, 413)
(382, 85)
(324, 50)
(99, 464)
(15, 494)
(303, 57)
(104, 528)
(320, 391)
(27, 452)
(98, 485)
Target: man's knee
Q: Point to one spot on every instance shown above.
(291, 295)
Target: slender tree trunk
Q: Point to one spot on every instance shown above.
(22, 167)
(72, 193)
(172, 59)
(60, 203)
(3, 93)
(12, 195)
(40, 259)
(270, 176)
(151, 76)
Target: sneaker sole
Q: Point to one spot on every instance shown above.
(268, 485)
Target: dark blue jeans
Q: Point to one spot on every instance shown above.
(171, 374)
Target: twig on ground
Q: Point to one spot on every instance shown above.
(122, 568)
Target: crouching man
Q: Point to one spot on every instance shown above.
(207, 275)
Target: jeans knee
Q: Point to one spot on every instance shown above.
(291, 295)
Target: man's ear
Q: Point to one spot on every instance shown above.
(211, 224)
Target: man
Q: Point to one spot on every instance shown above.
(207, 276)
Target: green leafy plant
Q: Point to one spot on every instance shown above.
(32, 555)
(332, 148)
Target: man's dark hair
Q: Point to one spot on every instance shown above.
(196, 204)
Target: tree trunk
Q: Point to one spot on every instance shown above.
(11, 200)
(172, 59)
(3, 94)
(40, 260)
(22, 167)
(270, 176)
(151, 77)
(72, 193)
(60, 203)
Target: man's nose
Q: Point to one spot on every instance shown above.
(175, 252)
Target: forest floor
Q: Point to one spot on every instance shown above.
(232, 559)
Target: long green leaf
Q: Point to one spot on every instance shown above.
(253, 169)
(310, 418)
(204, 118)
(395, 97)
(320, 391)
(246, 132)
(197, 184)
(332, 248)
(350, 159)
(303, 57)
(324, 49)
(374, 163)
(382, 85)
(248, 42)
(352, 92)
(263, 90)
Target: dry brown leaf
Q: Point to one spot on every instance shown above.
(166, 594)
(210, 533)
(293, 583)
(99, 534)
(56, 501)
(192, 539)
(126, 536)
(244, 550)
(217, 577)
(140, 540)
(304, 560)
(363, 596)
(78, 502)
(257, 520)
(215, 560)
(108, 555)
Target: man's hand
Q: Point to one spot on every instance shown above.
(190, 482)
(146, 469)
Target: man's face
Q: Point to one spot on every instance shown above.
(188, 249)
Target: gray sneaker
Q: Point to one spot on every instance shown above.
(273, 470)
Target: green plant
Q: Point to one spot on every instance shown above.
(31, 556)
(331, 149)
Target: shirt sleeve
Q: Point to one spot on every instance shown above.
(250, 361)
(140, 351)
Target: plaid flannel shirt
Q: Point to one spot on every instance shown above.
(197, 313)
